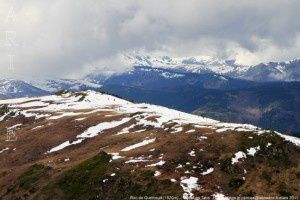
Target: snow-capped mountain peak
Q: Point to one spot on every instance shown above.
(16, 88)
(196, 64)
(274, 71)
(70, 84)
(270, 71)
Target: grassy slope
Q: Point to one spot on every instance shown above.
(86, 181)
(273, 171)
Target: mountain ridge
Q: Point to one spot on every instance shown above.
(10, 88)
(268, 71)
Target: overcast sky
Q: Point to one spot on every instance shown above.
(66, 38)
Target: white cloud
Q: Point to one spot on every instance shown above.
(266, 51)
(67, 38)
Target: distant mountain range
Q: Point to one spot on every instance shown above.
(10, 88)
(272, 71)
(68, 84)
(266, 95)
(16, 88)
(159, 79)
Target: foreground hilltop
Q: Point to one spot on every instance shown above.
(89, 145)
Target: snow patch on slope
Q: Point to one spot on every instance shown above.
(140, 144)
(95, 130)
(189, 185)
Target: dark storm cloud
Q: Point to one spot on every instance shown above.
(65, 37)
